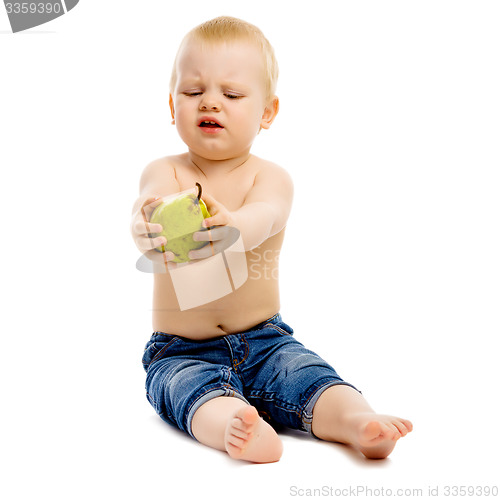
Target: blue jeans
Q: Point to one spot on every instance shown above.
(264, 366)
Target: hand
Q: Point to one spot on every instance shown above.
(220, 231)
(142, 232)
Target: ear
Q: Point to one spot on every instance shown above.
(172, 111)
(270, 112)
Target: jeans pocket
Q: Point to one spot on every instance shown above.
(156, 350)
(150, 352)
(281, 328)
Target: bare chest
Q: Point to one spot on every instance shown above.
(230, 189)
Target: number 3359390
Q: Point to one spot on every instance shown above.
(33, 8)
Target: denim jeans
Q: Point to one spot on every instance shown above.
(264, 366)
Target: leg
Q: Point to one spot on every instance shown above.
(231, 425)
(342, 414)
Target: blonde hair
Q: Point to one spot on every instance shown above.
(228, 29)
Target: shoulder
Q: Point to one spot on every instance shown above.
(159, 176)
(273, 177)
(160, 166)
(272, 183)
(268, 171)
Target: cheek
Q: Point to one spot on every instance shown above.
(183, 121)
(250, 118)
(184, 110)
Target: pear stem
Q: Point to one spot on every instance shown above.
(199, 190)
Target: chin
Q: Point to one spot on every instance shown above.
(215, 155)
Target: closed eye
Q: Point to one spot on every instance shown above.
(227, 95)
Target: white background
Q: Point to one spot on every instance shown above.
(389, 126)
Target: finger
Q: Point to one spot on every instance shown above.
(156, 256)
(162, 261)
(149, 205)
(143, 228)
(145, 243)
(211, 203)
(152, 202)
(211, 234)
(220, 216)
(219, 219)
(223, 237)
(208, 250)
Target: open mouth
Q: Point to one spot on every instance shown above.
(210, 124)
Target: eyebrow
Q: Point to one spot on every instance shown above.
(227, 84)
(236, 86)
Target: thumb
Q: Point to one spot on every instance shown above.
(211, 203)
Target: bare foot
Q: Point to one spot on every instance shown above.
(248, 437)
(376, 435)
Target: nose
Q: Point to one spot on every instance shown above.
(209, 103)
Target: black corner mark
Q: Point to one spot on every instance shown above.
(27, 14)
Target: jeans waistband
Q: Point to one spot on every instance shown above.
(273, 319)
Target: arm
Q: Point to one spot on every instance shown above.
(265, 210)
(158, 179)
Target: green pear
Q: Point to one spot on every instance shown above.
(180, 218)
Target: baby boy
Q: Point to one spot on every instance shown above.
(229, 372)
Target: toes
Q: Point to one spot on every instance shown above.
(379, 435)
(393, 432)
(237, 442)
(380, 430)
(235, 431)
(248, 415)
(375, 432)
(389, 433)
(372, 433)
(234, 451)
(239, 425)
(239, 431)
(407, 424)
(245, 419)
(401, 427)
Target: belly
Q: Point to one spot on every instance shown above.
(252, 303)
(238, 311)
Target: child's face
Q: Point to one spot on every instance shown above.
(222, 83)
